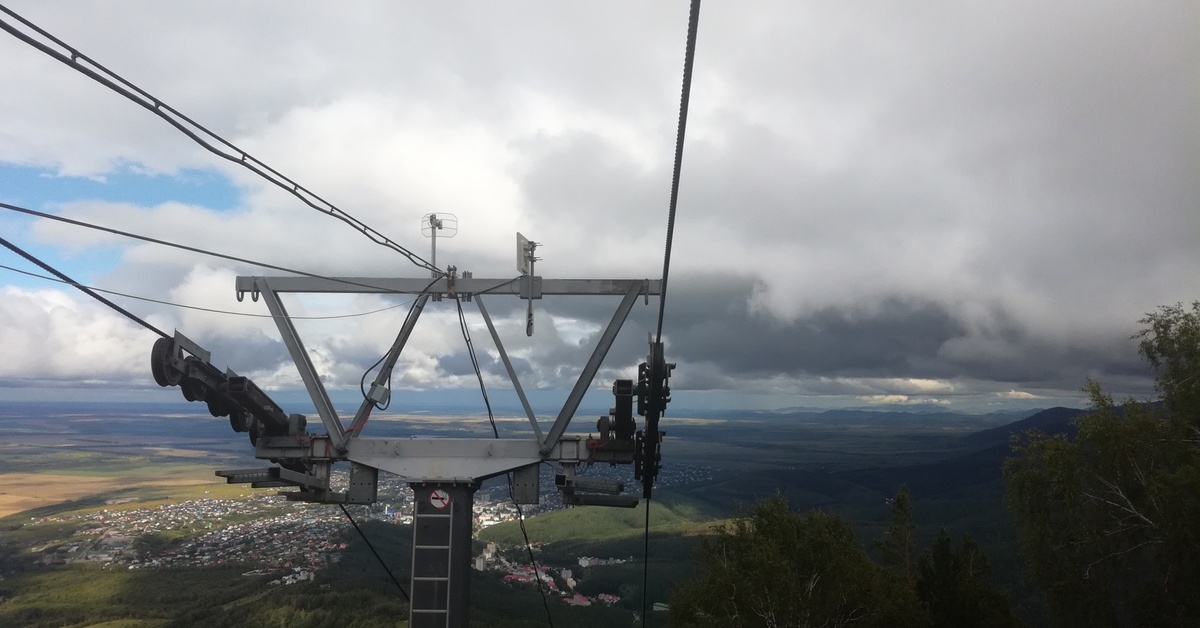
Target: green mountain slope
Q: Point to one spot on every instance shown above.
(670, 513)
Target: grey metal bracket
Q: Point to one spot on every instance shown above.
(525, 484)
(363, 484)
(245, 476)
(457, 459)
(611, 501)
(272, 476)
(191, 347)
(579, 491)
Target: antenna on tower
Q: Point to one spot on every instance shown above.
(525, 260)
(431, 224)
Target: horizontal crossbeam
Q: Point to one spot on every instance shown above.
(461, 459)
(525, 286)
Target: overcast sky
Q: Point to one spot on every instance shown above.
(963, 203)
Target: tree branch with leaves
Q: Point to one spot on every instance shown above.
(1107, 522)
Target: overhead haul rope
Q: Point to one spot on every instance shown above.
(204, 309)
(689, 56)
(82, 288)
(685, 96)
(212, 142)
(184, 247)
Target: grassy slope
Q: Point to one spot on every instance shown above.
(670, 514)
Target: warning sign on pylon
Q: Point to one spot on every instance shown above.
(439, 499)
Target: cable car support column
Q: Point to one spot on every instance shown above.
(441, 554)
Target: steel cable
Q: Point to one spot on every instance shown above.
(684, 99)
(689, 56)
(377, 556)
(82, 288)
(204, 309)
(184, 247)
(214, 143)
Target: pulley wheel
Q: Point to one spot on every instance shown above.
(218, 407)
(160, 363)
(192, 389)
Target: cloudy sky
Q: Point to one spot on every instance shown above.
(962, 203)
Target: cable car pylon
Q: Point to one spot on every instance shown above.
(444, 473)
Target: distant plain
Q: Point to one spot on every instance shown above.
(60, 458)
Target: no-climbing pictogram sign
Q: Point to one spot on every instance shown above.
(439, 498)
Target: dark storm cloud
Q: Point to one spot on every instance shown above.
(898, 338)
(711, 320)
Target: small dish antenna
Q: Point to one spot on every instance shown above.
(431, 224)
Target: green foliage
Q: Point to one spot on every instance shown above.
(777, 568)
(669, 514)
(899, 543)
(952, 585)
(1171, 344)
(359, 569)
(305, 605)
(773, 567)
(86, 595)
(1108, 522)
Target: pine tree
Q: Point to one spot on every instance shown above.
(899, 544)
(952, 585)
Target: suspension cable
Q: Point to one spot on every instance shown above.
(212, 142)
(685, 97)
(205, 309)
(184, 247)
(82, 288)
(689, 56)
(377, 556)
